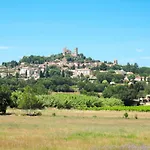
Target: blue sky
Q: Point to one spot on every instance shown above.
(101, 29)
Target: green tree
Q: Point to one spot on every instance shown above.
(89, 87)
(54, 72)
(121, 92)
(148, 79)
(103, 66)
(105, 82)
(41, 74)
(16, 97)
(81, 85)
(105, 76)
(26, 74)
(118, 78)
(73, 67)
(131, 77)
(63, 73)
(127, 68)
(147, 89)
(139, 86)
(17, 75)
(135, 68)
(11, 64)
(5, 100)
(46, 74)
(29, 100)
(39, 89)
(68, 73)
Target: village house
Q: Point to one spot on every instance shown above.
(29, 72)
(79, 72)
(3, 74)
(126, 79)
(139, 78)
(122, 72)
(130, 73)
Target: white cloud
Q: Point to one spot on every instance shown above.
(145, 58)
(139, 50)
(4, 47)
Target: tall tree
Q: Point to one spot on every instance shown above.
(5, 100)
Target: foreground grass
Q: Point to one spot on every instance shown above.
(75, 130)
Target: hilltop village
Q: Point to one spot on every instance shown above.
(72, 62)
(65, 61)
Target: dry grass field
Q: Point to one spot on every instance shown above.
(75, 130)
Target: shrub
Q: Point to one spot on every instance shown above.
(126, 115)
(53, 114)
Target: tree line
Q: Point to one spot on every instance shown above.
(18, 92)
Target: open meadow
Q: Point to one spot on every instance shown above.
(75, 130)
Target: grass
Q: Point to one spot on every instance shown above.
(123, 108)
(74, 130)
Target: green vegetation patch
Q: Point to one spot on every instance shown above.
(85, 135)
(125, 108)
(76, 101)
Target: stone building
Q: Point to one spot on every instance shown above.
(67, 51)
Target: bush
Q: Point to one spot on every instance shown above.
(126, 115)
(53, 114)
